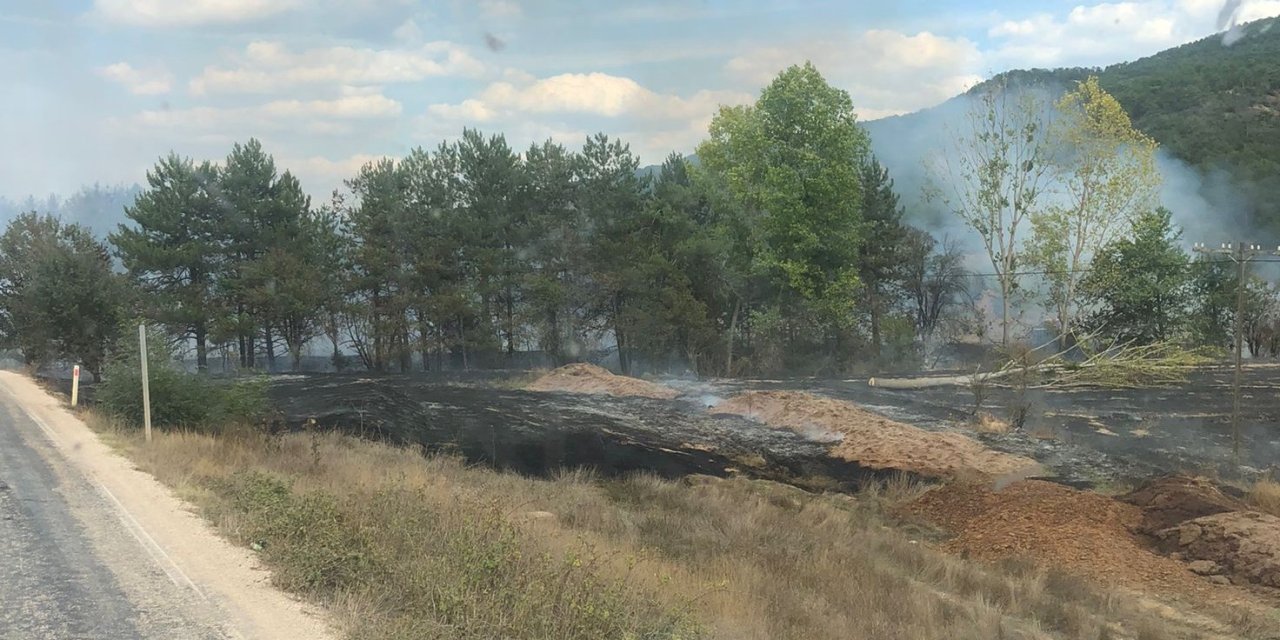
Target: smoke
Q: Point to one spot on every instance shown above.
(1231, 19)
(98, 207)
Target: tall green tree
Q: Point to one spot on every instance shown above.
(1139, 284)
(880, 260)
(170, 248)
(58, 296)
(612, 197)
(438, 280)
(1108, 176)
(993, 176)
(1213, 301)
(496, 227)
(793, 160)
(381, 289)
(247, 198)
(558, 237)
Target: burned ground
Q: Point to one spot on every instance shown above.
(1089, 436)
(1083, 437)
(541, 433)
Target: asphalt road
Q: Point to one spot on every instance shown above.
(70, 566)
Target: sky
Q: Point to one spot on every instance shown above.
(98, 90)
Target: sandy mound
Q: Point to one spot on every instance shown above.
(1242, 544)
(872, 440)
(1080, 532)
(1172, 500)
(588, 378)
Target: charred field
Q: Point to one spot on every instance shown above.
(543, 433)
(1082, 436)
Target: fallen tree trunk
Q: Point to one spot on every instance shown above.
(927, 382)
(1118, 366)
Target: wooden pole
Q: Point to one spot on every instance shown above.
(75, 385)
(146, 387)
(1241, 273)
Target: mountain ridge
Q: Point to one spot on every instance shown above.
(1211, 106)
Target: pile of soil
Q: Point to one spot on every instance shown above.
(588, 378)
(1077, 531)
(1172, 500)
(1244, 545)
(872, 440)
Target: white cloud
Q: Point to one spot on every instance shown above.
(528, 109)
(143, 82)
(1109, 32)
(266, 67)
(317, 171)
(592, 94)
(885, 72)
(408, 32)
(185, 13)
(500, 9)
(311, 116)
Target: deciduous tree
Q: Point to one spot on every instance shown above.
(993, 176)
(1106, 172)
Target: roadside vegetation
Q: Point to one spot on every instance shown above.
(400, 545)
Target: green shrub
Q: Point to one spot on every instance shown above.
(178, 399)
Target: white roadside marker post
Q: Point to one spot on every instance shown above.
(75, 384)
(146, 388)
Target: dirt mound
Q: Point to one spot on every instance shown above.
(1172, 500)
(588, 378)
(1241, 544)
(871, 440)
(1077, 531)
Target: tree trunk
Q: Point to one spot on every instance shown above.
(202, 349)
(269, 342)
(1004, 313)
(728, 343)
(406, 353)
(462, 339)
(873, 304)
(511, 326)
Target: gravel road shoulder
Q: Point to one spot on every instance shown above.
(97, 549)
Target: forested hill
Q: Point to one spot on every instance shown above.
(1213, 106)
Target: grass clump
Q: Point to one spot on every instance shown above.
(1264, 495)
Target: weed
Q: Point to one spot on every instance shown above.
(1265, 496)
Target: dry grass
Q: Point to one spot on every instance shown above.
(1264, 495)
(404, 546)
(986, 422)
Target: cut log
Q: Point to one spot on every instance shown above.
(927, 382)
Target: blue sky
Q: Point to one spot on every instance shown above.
(96, 90)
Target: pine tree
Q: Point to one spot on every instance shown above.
(170, 248)
(880, 259)
(555, 282)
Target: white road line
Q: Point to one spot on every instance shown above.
(153, 548)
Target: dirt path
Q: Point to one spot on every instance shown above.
(92, 548)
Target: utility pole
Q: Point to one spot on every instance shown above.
(1241, 254)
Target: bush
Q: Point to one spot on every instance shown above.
(178, 399)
